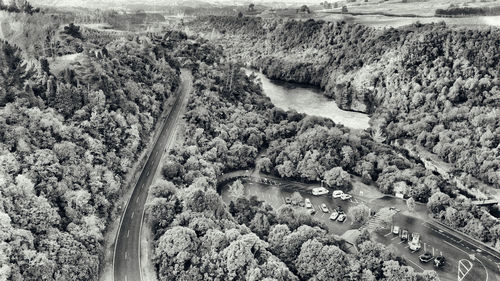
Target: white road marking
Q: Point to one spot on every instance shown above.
(125, 255)
(401, 242)
(455, 247)
(148, 173)
(388, 234)
(464, 267)
(156, 154)
(128, 233)
(414, 263)
(137, 199)
(132, 214)
(126, 278)
(394, 237)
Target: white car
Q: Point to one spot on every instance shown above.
(342, 217)
(337, 193)
(319, 191)
(345, 196)
(308, 203)
(334, 215)
(395, 230)
(324, 208)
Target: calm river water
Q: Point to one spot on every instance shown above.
(309, 100)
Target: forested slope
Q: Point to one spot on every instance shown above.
(430, 83)
(67, 140)
(198, 237)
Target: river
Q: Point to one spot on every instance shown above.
(309, 100)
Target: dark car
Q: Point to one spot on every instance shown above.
(439, 261)
(404, 235)
(425, 257)
(288, 200)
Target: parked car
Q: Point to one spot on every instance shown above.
(288, 200)
(439, 261)
(404, 235)
(342, 217)
(395, 209)
(415, 244)
(337, 193)
(308, 203)
(425, 257)
(345, 196)
(334, 215)
(312, 211)
(324, 208)
(395, 230)
(319, 191)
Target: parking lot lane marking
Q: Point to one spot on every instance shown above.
(394, 237)
(407, 246)
(401, 242)
(414, 264)
(388, 234)
(132, 214)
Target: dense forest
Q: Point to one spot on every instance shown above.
(198, 237)
(433, 85)
(69, 133)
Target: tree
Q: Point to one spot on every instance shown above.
(240, 14)
(410, 203)
(73, 30)
(237, 189)
(438, 202)
(13, 72)
(344, 9)
(359, 213)
(296, 197)
(304, 9)
(394, 272)
(251, 7)
(337, 177)
(264, 164)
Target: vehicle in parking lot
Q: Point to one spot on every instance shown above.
(415, 244)
(324, 208)
(425, 257)
(312, 211)
(334, 215)
(395, 230)
(288, 200)
(319, 191)
(342, 217)
(439, 261)
(345, 196)
(404, 235)
(308, 203)
(337, 193)
(395, 209)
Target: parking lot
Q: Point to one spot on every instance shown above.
(461, 254)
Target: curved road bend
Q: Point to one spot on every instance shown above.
(126, 264)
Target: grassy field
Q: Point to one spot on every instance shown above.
(393, 13)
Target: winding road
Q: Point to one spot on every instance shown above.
(126, 257)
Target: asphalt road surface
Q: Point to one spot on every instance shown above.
(126, 260)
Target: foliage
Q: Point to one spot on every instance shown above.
(67, 140)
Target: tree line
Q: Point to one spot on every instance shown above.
(69, 135)
(432, 85)
(197, 236)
